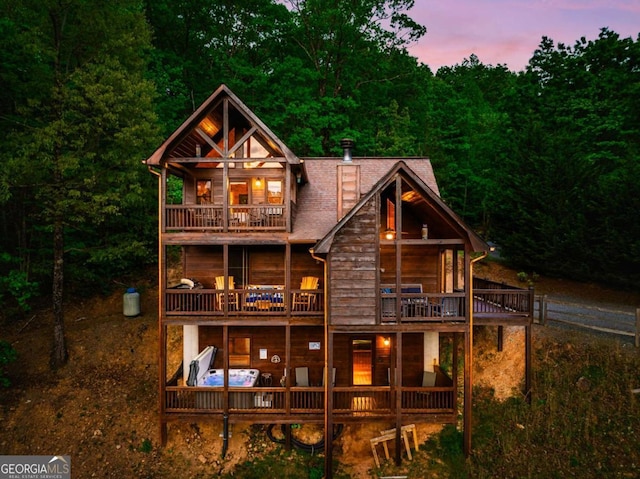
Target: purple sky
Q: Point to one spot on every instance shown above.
(508, 31)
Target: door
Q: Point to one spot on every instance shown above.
(362, 362)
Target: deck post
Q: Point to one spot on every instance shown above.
(328, 401)
(398, 397)
(528, 340)
(162, 381)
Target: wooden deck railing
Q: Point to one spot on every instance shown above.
(347, 401)
(243, 301)
(506, 302)
(212, 218)
(423, 306)
(416, 307)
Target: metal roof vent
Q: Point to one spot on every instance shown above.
(347, 146)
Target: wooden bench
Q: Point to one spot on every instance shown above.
(390, 435)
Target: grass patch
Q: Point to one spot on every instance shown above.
(583, 420)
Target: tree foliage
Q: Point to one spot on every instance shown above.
(572, 204)
(543, 162)
(79, 124)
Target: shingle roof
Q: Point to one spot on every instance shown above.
(317, 200)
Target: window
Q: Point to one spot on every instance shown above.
(391, 215)
(274, 192)
(203, 191)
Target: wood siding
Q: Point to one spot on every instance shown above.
(266, 266)
(419, 266)
(203, 263)
(271, 338)
(353, 268)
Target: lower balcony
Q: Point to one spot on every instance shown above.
(298, 402)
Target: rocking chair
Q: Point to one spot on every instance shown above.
(232, 298)
(304, 301)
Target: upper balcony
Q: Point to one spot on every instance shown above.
(215, 218)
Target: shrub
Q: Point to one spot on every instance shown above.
(7, 355)
(16, 283)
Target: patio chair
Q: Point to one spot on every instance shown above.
(302, 377)
(449, 307)
(333, 376)
(232, 298)
(304, 301)
(256, 218)
(391, 377)
(428, 379)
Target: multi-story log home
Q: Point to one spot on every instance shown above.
(313, 290)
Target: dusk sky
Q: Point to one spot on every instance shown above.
(508, 31)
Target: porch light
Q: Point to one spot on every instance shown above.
(389, 234)
(386, 342)
(198, 150)
(258, 182)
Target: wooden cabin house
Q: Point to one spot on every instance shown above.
(312, 290)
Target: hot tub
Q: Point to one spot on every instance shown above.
(201, 374)
(238, 378)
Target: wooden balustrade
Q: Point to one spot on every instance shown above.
(415, 307)
(251, 302)
(206, 217)
(439, 399)
(354, 401)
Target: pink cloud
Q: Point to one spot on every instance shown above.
(508, 31)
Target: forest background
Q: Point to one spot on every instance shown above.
(543, 162)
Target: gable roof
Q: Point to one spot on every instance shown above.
(318, 199)
(188, 131)
(401, 167)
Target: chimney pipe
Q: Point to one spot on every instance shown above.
(347, 146)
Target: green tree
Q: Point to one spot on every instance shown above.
(468, 134)
(201, 44)
(78, 130)
(338, 44)
(570, 209)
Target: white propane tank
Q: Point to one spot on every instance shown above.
(131, 303)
